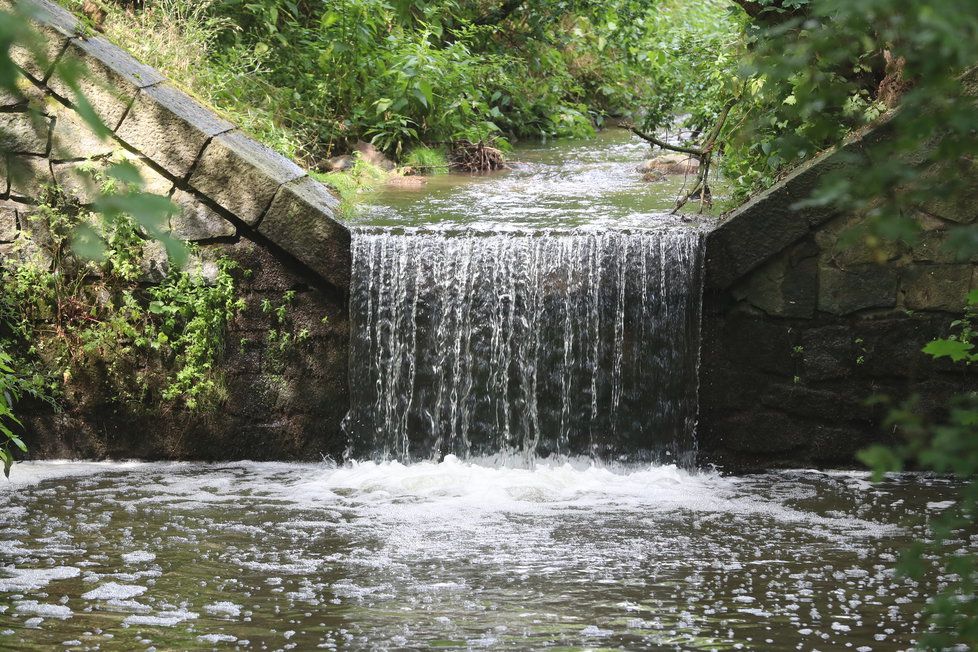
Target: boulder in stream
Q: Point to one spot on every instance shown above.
(671, 163)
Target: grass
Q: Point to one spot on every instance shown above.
(178, 38)
(427, 160)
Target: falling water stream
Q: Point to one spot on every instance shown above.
(520, 473)
(541, 342)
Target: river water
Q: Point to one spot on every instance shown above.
(566, 514)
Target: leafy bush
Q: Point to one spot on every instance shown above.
(94, 324)
(311, 78)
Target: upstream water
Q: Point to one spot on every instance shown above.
(524, 412)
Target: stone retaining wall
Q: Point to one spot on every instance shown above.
(798, 331)
(238, 200)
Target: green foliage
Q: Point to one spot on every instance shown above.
(112, 336)
(92, 323)
(10, 388)
(311, 78)
(351, 185)
(427, 160)
(959, 347)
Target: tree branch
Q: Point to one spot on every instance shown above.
(663, 144)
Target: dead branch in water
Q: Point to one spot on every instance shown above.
(704, 154)
(476, 157)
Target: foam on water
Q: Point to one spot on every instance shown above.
(512, 552)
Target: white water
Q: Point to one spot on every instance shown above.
(506, 553)
(542, 342)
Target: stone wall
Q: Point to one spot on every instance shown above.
(798, 331)
(238, 200)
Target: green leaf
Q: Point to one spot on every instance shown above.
(125, 172)
(954, 349)
(881, 460)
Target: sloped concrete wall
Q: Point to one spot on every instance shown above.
(238, 200)
(798, 331)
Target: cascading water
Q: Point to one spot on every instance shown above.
(542, 342)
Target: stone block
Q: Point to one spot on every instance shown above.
(241, 175)
(170, 127)
(823, 405)
(762, 432)
(827, 353)
(936, 287)
(786, 286)
(153, 182)
(77, 180)
(844, 291)
(73, 139)
(28, 174)
(196, 221)
(8, 222)
(301, 221)
(845, 245)
(110, 77)
(958, 205)
(155, 262)
(931, 248)
(4, 177)
(24, 132)
(55, 25)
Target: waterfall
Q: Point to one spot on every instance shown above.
(547, 342)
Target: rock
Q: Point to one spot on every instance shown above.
(241, 175)
(936, 287)
(28, 174)
(653, 176)
(374, 156)
(340, 163)
(407, 182)
(843, 291)
(72, 139)
(196, 221)
(8, 222)
(155, 263)
(786, 286)
(24, 133)
(671, 163)
(77, 180)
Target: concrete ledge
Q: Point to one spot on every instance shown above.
(770, 221)
(56, 26)
(169, 123)
(242, 175)
(297, 222)
(109, 79)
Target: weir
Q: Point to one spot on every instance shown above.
(543, 342)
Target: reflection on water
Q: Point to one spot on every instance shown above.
(455, 555)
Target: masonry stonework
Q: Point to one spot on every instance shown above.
(238, 200)
(799, 331)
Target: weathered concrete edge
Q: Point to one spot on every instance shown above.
(769, 222)
(247, 174)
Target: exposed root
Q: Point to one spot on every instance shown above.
(475, 157)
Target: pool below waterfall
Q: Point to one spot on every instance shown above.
(521, 470)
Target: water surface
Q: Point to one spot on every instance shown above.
(456, 555)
